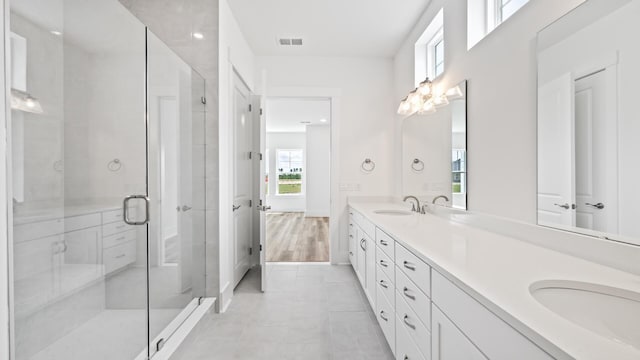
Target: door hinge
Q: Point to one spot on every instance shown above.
(250, 107)
(250, 251)
(260, 111)
(260, 247)
(250, 155)
(160, 344)
(260, 156)
(203, 100)
(250, 203)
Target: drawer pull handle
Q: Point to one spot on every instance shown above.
(351, 225)
(363, 244)
(351, 253)
(351, 236)
(406, 321)
(350, 213)
(405, 291)
(120, 256)
(406, 357)
(384, 263)
(383, 284)
(384, 243)
(383, 317)
(409, 266)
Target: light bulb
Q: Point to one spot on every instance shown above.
(405, 107)
(425, 87)
(30, 103)
(427, 107)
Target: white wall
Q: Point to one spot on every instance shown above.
(286, 141)
(318, 171)
(234, 55)
(501, 70)
(363, 108)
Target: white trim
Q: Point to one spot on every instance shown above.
(226, 295)
(185, 323)
(6, 283)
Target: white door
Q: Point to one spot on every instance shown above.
(555, 157)
(260, 182)
(242, 180)
(187, 163)
(596, 159)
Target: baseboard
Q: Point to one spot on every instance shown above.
(226, 295)
(316, 214)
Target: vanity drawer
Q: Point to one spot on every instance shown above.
(416, 299)
(406, 348)
(385, 317)
(82, 222)
(119, 256)
(408, 320)
(117, 239)
(385, 263)
(494, 337)
(418, 271)
(386, 285)
(115, 228)
(386, 243)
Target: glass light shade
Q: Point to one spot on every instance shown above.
(440, 101)
(22, 101)
(405, 107)
(414, 98)
(428, 107)
(454, 93)
(425, 87)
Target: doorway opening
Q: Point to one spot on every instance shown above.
(297, 179)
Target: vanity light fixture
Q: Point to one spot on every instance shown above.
(23, 101)
(426, 98)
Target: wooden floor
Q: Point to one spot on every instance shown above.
(291, 237)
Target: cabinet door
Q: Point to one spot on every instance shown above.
(448, 343)
(80, 258)
(371, 271)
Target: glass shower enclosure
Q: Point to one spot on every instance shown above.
(107, 156)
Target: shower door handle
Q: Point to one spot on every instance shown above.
(125, 210)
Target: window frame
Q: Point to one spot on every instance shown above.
(431, 64)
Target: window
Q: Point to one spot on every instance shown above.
(429, 50)
(289, 168)
(436, 55)
(459, 172)
(484, 16)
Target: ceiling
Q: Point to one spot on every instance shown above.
(288, 114)
(328, 27)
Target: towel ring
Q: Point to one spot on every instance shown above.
(417, 165)
(368, 165)
(114, 165)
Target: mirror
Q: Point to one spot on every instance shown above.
(588, 121)
(434, 152)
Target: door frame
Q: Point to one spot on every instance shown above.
(337, 244)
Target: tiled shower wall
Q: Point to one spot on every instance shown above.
(174, 22)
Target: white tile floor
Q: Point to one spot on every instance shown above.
(310, 312)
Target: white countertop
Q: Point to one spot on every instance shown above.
(498, 270)
(44, 214)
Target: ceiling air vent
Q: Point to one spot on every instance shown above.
(285, 41)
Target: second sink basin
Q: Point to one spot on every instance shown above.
(607, 311)
(393, 212)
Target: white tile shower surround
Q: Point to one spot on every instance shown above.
(309, 312)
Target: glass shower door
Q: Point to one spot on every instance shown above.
(176, 189)
(78, 149)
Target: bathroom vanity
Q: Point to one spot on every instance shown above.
(443, 290)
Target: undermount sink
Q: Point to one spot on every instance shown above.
(607, 311)
(393, 212)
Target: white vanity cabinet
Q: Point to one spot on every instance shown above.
(423, 315)
(119, 246)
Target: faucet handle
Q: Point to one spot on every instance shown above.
(424, 209)
(413, 207)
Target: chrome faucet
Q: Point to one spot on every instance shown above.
(440, 197)
(415, 207)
